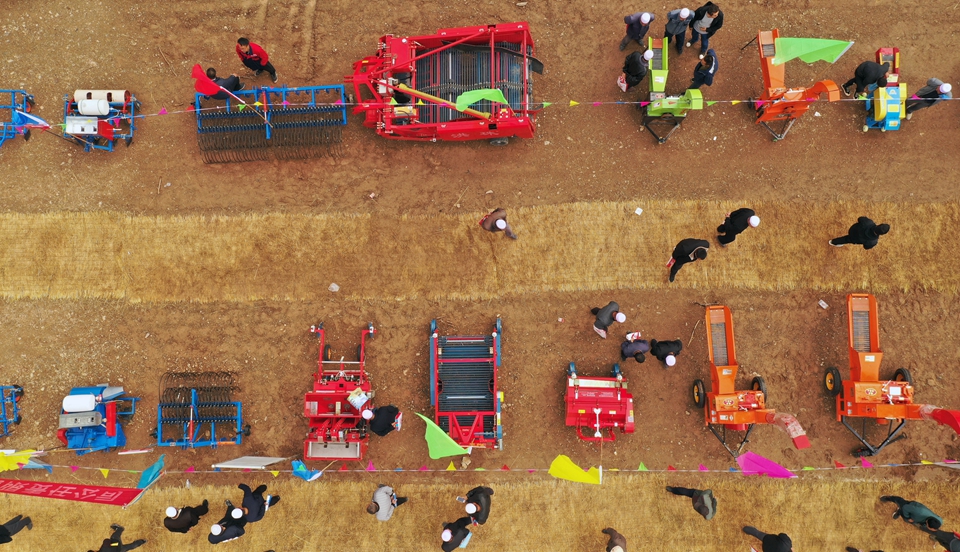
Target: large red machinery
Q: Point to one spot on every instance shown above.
(341, 392)
(598, 403)
(409, 89)
(463, 391)
(724, 407)
(864, 395)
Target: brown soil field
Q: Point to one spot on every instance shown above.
(53, 340)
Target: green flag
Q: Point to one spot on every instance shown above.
(439, 443)
(470, 97)
(809, 50)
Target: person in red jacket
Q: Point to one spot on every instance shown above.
(255, 58)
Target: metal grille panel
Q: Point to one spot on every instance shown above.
(861, 331)
(718, 334)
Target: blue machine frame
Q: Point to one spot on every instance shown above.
(99, 426)
(19, 100)
(193, 410)
(9, 408)
(100, 132)
(287, 122)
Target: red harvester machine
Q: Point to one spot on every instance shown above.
(601, 404)
(864, 396)
(409, 89)
(341, 392)
(724, 406)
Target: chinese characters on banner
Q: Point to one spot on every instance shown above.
(117, 496)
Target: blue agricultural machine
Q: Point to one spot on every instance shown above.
(10, 396)
(463, 389)
(265, 122)
(197, 410)
(97, 119)
(92, 418)
(16, 122)
(887, 105)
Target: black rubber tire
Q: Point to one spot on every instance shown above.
(759, 385)
(326, 352)
(18, 419)
(499, 141)
(246, 430)
(902, 374)
(831, 381)
(358, 353)
(699, 393)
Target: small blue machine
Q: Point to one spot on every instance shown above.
(10, 396)
(286, 123)
(887, 105)
(197, 410)
(17, 102)
(97, 119)
(92, 417)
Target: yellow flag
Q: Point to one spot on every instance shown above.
(450, 467)
(105, 472)
(258, 104)
(9, 462)
(734, 102)
(573, 103)
(275, 473)
(563, 467)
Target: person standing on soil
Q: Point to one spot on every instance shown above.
(635, 68)
(384, 502)
(865, 232)
(114, 544)
(771, 543)
(606, 317)
(254, 506)
(867, 73)
(949, 540)
(637, 26)
(382, 419)
(930, 95)
(231, 84)
(703, 501)
(496, 221)
(914, 513)
(255, 58)
(704, 72)
(676, 27)
(617, 542)
(707, 20)
(687, 251)
(14, 526)
(735, 223)
(455, 535)
(229, 527)
(634, 347)
(666, 351)
(478, 504)
(182, 520)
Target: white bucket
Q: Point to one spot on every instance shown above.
(93, 107)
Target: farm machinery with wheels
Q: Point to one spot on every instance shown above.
(724, 407)
(341, 392)
(602, 404)
(10, 396)
(96, 119)
(887, 105)
(463, 391)
(466, 83)
(92, 418)
(18, 121)
(197, 410)
(666, 112)
(865, 395)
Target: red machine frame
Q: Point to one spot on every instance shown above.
(864, 395)
(337, 428)
(377, 79)
(602, 404)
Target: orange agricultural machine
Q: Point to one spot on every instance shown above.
(864, 395)
(725, 408)
(783, 105)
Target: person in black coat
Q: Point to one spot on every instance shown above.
(454, 534)
(229, 527)
(616, 542)
(478, 504)
(606, 316)
(635, 68)
(735, 223)
(687, 251)
(231, 83)
(865, 232)
(14, 526)
(114, 544)
(254, 506)
(707, 20)
(771, 543)
(704, 72)
(703, 501)
(867, 73)
(182, 520)
(666, 351)
(383, 420)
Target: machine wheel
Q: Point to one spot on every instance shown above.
(699, 394)
(759, 385)
(866, 128)
(831, 381)
(326, 352)
(246, 430)
(572, 370)
(861, 452)
(358, 352)
(153, 434)
(26, 135)
(18, 393)
(18, 419)
(499, 141)
(902, 374)
(30, 104)
(128, 141)
(616, 371)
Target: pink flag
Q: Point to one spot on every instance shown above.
(864, 463)
(597, 103)
(338, 102)
(423, 468)
(370, 466)
(191, 469)
(752, 463)
(74, 468)
(163, 111)
(703, 468)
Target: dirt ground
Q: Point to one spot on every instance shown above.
(584, 153)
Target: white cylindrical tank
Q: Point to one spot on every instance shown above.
(79, 403)
(112, 96)
(93, 107)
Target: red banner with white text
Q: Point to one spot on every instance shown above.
(95, 494)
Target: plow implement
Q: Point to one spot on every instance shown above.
(601, 404)
(197, 410)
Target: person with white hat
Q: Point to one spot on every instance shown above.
(115, 544)
(687, 251)
(635, 68)
(676, 27)
(384, 502)
(735, 223)
(666, 351)
(617, 542)
(382, 419)
(637, 26)
(606, 316)
(455, 535)
(478, 504)
(229, 527)
(183, 519)
(496, 221)
(930, 95)
(254, 506)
